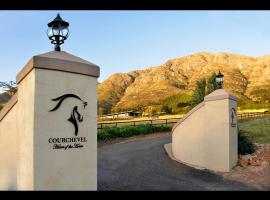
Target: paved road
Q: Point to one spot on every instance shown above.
(144, 165)
(257, 121)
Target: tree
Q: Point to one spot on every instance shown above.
(199, 92)
(176, 104)
(9, 87)
(203, 88)
(151, 110)
(166, 108)
(212, 84)
(101, 111)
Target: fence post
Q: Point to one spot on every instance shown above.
(166, 122)
(134, 123)
(115, 124)
(101, 126)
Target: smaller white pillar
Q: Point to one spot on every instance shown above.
(220, 131)
(207, 136)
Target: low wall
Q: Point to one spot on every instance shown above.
(8, 145)
(192, 127)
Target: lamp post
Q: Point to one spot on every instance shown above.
(219, 79)
(58, 32)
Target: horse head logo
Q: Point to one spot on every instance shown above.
(233, 117)
(75, 116)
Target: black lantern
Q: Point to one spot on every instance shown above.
(219, 79)
(58, 32)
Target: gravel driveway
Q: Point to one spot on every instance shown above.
(144, 165)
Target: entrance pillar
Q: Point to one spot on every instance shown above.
(56, 124)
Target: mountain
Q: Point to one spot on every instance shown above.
(247, 77)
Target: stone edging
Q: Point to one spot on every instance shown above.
(8, 106)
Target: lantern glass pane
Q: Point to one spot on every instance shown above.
(49, 32)
(61, 38)
(65, 32)
(56, 31)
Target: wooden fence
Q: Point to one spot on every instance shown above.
(168, 121)
(165, 122)
(253, 114)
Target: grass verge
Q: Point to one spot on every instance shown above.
(259, 133)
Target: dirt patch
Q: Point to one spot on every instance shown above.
(258, 175)
(256, 172)
(133, 138)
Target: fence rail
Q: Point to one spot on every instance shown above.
(252, 114)
(153, 122)
(168, 121)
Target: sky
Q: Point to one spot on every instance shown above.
(121, 41)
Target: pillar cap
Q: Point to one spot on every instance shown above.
(219, 95)
(59, 61)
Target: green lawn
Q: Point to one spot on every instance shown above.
(259, 133)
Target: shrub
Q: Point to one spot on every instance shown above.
(127, 131)
(245, 144)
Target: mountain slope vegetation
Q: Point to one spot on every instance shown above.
(247, 77)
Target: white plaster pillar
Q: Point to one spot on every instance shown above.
(57, 145)
(220, 131)
(206, 137)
